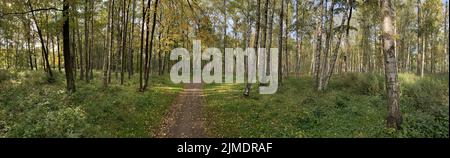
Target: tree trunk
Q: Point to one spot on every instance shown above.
(124, 40)
(131, 51)
(335, 55)
(109, 38)
(53, 52)
(446, 45)
(30, 58)
(159, 51)
(224, 25)
(59, 53)
(280, 46)
(149, 55)
(86, 40)
(347, 38)
(270, 34)
(286, 40)
(44, 50)
(329, 39)
(34, 52)
(264, 37)
(394, 118)
(258, 26)
(92, 43)
(74, 54)
(80, 52)
(298, 38)
(141, 85)
(318, 50)
(419, 42)
(66, 46)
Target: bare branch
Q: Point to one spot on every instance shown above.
(26, 12)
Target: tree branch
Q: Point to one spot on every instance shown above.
(26, 12)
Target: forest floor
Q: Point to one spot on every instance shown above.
(354, 105)
(32, 107)
(185, 119)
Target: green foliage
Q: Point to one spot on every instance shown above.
(32, 107)
(43, 122)
(424, 125)
(353, 106)
(6, 75)
(368, 84)
(427, 94)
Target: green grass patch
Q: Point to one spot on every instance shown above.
(31, 107)
(353, 106)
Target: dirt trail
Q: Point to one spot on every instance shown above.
(185, 119)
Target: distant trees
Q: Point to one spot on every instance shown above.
(320, 38)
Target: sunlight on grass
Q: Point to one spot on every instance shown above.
(354, 106)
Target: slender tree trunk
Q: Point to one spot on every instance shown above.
(44, 50)
(335, 54)
(270, 34)
(109, 32)
(329, 39)
(420, 55)
(34, 51)
(225, 26)
(30, 58)
(318, 50)
(280, 45)
(59, 53)
(80, 52)
(146, 54)
(446, 45)
(258, 20)
(92, 43)
(86, 40)
(151, 45)
(298, 37)
(124, 40)
(264, 38)
(433, 55)
(347, 39)
(159, 52)
(286, 41)
(131, 51)
(74, 50)
(66, 46)
(144, 11)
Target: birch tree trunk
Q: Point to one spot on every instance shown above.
(318, 50)
(394, 118)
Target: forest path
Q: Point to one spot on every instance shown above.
(185, 118)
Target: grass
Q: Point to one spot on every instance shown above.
(353, 106)
(31, 107)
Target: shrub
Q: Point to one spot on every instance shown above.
(6, 75)
(65, 122)
(367, 84)
(427, 94)
(423, 125)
